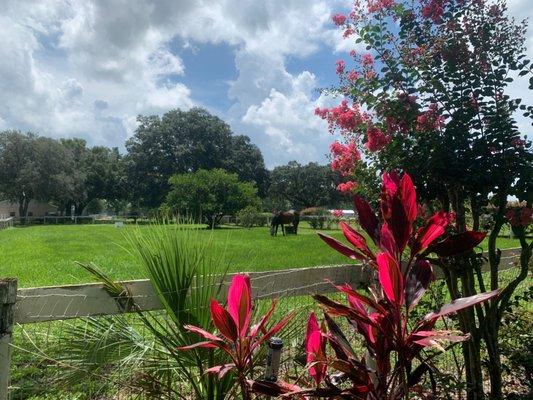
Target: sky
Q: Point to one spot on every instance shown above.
(88, 68)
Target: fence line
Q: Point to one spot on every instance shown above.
(6, 223)
(75, 301)
(32, 305)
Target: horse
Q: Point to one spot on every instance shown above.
(284, 218)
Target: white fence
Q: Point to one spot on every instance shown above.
(33, 305)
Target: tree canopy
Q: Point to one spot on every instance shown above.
(208, 195)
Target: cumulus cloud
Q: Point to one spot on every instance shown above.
(89, 67)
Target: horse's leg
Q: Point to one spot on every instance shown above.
(283, 229)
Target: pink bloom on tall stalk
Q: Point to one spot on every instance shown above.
(430, 120)
(353, 76)
(347, 187)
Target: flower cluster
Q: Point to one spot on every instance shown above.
(378, 5)
(375, 138)
(339, 19)
(347, 187)
(345, 157)
(340, 65)
(433, 10)
(430, 120)
(344, 117)
(519, 216)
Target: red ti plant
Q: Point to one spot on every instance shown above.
(403, 273)
(236, 337)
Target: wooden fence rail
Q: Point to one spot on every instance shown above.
(55, 303)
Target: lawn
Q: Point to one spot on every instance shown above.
(46, 255)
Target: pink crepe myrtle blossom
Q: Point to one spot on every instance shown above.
(347, 187)
(429, 120)
(376, 139)
(344, 157)
(367, 60)
(338, 19)
(433, 10)
(518, 142)
(379, 5)
(353, 76)
(353, 53)
(344, 117)
(347, 33)
(340, 65)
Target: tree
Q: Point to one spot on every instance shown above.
(32, 168)
(97, 174)
(185, 141)
(431, 99)
(305, 185)
(245, 159)
(208, 195)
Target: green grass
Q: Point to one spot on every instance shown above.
(46, 255)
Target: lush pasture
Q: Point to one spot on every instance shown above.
(46, 255)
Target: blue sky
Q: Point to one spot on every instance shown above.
(87, 68)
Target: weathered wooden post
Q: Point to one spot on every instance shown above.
(8, 297)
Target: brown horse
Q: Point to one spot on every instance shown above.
(284, 218)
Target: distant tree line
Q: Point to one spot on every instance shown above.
(165, 155)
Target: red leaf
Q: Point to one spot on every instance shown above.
(391, 278)
(223, 321)
(367, 218)
(399, 224)
(356, 239)
(275, 329)
(240, 302)
(364, 299)
(389, 188)
(341, 248)
(387, 242)
(408, 195)
(201, 332)
(220, 370)
(460, 304)
(458, 244)
(418, 279)
(277, 388)
(208, 345)
(315, 348)
(433, 229)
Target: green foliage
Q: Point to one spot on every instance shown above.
(305, 185)
(207, 196)
(251, 216)
(181, 142)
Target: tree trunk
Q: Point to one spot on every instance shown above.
(23, 209)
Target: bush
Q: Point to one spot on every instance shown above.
(250, 216)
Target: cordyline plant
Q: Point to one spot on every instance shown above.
(392, 366)
(237, 337)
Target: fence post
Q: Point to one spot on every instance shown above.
(8, 297)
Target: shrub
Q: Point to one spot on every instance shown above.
(251, 216)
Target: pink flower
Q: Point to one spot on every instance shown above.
(340, 66)
(352, 53)
(344, 117)
(517, 142)
(345, 157)
(519, 216)
(434, 9)
(353, 76)
(376, 139)
(429, 120)
(347, 187)
(378, 5)
(339, 19)
(347, 33)
(367, 60)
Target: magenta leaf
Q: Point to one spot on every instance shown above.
(223, 321)
(457, 244)
(240, 302)
(367, 218)
(341, 248)
(460, 304)
(391, 278)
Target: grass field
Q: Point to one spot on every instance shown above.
(46, 255)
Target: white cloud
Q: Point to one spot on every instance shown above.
(88, 67)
